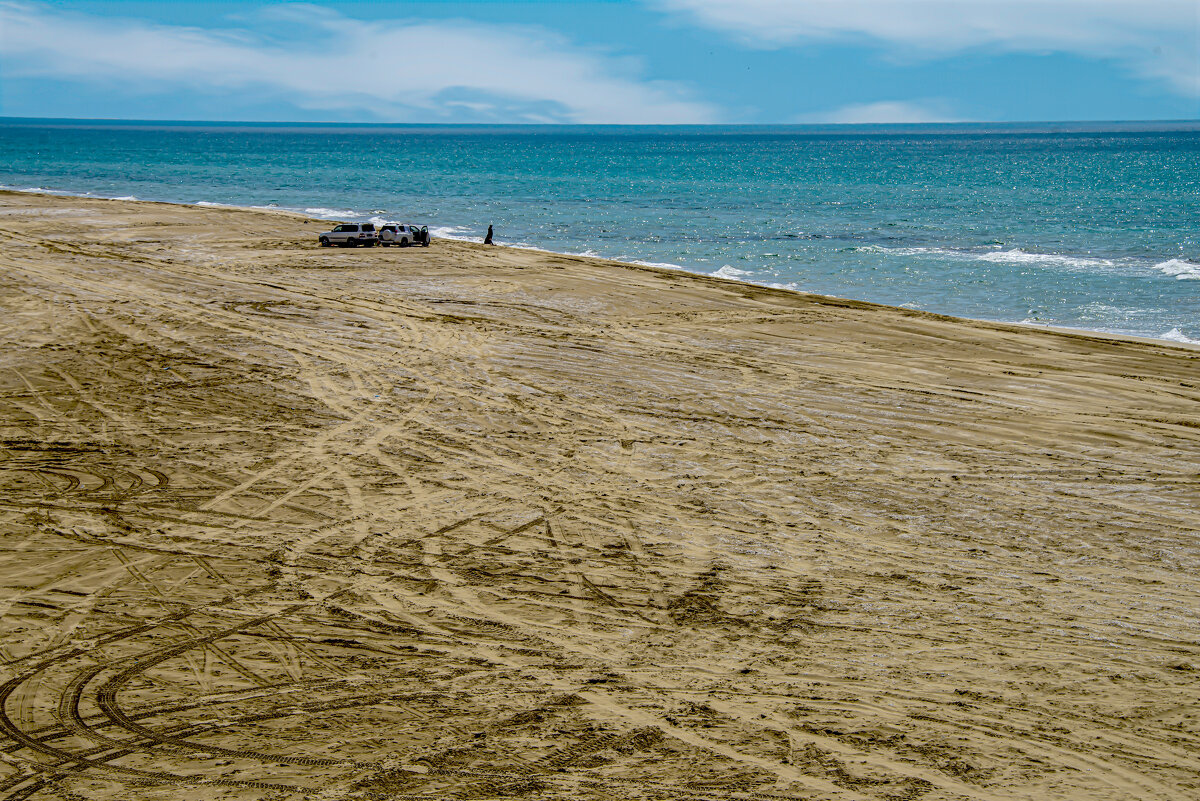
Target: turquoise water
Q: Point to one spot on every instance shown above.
(1083, 227)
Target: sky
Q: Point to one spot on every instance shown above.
(603, 61)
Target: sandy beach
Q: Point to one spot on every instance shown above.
(464, 522)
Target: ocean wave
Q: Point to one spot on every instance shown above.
(331, 214)
(730, 272)
(1018, 256)
(41, 190)
(662, 265)
(907, 251)
(452, 232)
(1181, 269)
(1175, 335)
(586, 254)
(1013, 256)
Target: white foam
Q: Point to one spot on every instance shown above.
(269, 207)
(330, 214)
(1182, 270)
(1018, 256)
(40, 190)
(907, 251)
(1013, 256)
(662, 265)
(730, 272)
(452, 232)
(1175, 335)
(64, 193)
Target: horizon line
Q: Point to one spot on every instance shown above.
(117, 121)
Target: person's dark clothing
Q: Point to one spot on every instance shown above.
(488, 239)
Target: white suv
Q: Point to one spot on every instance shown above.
(350, 235)
(403, 235)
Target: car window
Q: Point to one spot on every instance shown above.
(343, 228)
(369, 227)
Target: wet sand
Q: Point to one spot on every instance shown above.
(463, 522)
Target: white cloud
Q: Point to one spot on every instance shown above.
(1159, 39)
(887, 111)
(394, 70)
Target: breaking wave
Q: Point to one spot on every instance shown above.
(730, 272)
(1181, 269)
(1175, 335)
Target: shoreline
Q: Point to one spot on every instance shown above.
(469, 521)
(1067, 330)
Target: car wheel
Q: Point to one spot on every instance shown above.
(350, 243)
(324, 241)
(404, 243)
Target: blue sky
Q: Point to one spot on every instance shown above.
(603, 61)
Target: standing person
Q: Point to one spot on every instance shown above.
(487, 240)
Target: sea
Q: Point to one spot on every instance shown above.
(1092, 226)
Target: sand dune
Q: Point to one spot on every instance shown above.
(466, 522)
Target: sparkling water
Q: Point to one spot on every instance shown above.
(1081, 226)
